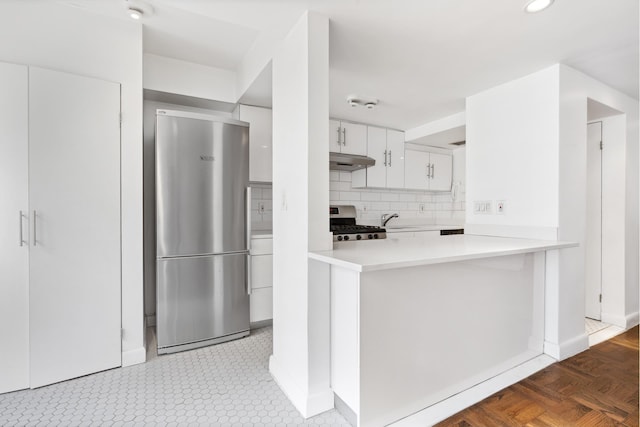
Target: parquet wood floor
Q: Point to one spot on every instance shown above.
(598, 387)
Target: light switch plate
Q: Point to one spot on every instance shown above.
(482, 207)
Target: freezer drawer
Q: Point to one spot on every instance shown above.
(200, 299)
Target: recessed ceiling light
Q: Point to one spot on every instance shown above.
(534, 6)
(135, 13)
(138, 9)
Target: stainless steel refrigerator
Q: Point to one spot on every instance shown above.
(202, 230)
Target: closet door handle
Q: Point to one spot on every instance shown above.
(389, 158)
(338, 130)
(35, 219)
(385, 157)
(433, 170)
(20, 228)
(344, 136)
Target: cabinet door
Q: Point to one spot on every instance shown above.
(74, 198)
(14, 253)
(260, 142)
(261, 271)
(335, 136)
(377, 149)
(441, 169)
(395, 160)
(416, 170)
(354, 138)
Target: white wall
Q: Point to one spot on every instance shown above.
(620, 190)
(300, 220)
(186, 78)
(526, 144)
(56, 36)
(512, 153)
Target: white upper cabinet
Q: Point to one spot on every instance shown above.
(441, 172)
(386, 146)
(260, 142)
(345, 137)
(428, 171)
(395, 159)
(417, 170)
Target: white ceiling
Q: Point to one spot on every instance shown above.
(420, 58)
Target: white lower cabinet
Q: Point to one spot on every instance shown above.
(60, 311)
(261, 299)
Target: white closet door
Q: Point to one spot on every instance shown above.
(593, 246)
(14, 264)
(74, 198)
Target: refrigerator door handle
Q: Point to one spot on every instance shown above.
(248, 225)
(248, 274)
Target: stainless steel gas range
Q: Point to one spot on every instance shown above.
(342, 220)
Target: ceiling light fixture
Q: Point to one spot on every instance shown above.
(135, 13)
(355, 101)
(534, 6)
(138, 9)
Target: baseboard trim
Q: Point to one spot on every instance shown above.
(456, 403)
(632, 320)
(567, 348)
(307, 404)
(150, 320)
(134, 357)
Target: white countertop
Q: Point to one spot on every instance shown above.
(261, 234)
(389, 253)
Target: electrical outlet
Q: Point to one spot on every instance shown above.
(261, 207)
(501, 206)
(421, 207)
(482, 207)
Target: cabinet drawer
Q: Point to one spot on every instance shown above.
(261, 246)
(261, 271)
(261, 305)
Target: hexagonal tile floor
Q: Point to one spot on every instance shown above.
(223, 385)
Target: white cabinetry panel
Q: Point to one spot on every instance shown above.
(396, 159)
(428, 171)
(376, 175)
(14, 267)
(354, 138)
(74, 198)
(261, 299)
(386, 146)
(417, 170)
(261, 305)
(345, 137)
(441, 170)
(260, 142)
(261, 271)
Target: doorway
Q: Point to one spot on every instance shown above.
(605, 234)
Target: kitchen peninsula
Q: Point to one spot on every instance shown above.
(416, 321)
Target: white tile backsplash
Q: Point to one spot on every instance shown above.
(261, 195)
(372, 203)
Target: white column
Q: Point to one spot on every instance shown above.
(300, 214)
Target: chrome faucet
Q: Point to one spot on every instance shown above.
(385, 218)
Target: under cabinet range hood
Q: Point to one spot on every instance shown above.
(349, 162)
